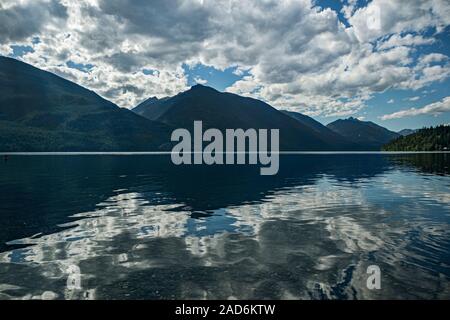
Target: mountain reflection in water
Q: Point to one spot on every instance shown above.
(138, 227)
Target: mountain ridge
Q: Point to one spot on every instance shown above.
(368, 134)
(224, 110)
(40, 111)
(407, 132)
(322, 130)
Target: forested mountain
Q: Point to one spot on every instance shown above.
(426, 139)
(230, 111)
(365, 133)
(40, 111)
(325, 132)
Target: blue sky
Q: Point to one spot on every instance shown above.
(390, 101)
(393, 100)
(210, 76)
(375, 60)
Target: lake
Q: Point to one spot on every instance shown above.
(138, 227)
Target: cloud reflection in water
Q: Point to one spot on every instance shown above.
(309, 233)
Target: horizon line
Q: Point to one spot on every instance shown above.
(118, 153)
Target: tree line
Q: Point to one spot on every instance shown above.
(425, 139)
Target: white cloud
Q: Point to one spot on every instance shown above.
(432, 58)
(435, 108)
(293, 54)
(349, 8)
(398, 40)
(399, 16)
(415, 98)
(390, 101)
(200, 80)
(5, 50)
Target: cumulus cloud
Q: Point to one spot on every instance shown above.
(291, 54)
(22, 19)
(384, 17)
(435, 108)
(397, 40)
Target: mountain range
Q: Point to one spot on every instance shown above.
(40, 111)
(230, 111)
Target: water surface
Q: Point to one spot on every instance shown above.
(137, 227)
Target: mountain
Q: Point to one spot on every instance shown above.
(426, 139)
(365, 133)
(323, 131)
(40, 111)
(230, 111)
(151, 108)
(149, 101)
(407, 132)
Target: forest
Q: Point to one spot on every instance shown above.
(425, 139)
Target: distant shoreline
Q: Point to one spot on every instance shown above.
(128, 153)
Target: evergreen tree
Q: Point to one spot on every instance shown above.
(426, 139)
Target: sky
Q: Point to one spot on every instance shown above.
(385, 61)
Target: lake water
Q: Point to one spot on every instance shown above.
(137, 227)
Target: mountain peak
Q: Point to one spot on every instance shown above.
(203, 88)
(407, 132)
(146, 103)
(151, 100)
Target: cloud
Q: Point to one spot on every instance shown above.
(289, 53)
(435, 108)
(412, 98)
(200, 80)
(5, 50)
(28, 18)
(398, 40)
(433, 58)
(349, 8)
(390, 101)
(384, 17)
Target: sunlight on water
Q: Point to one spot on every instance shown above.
(137, 228)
